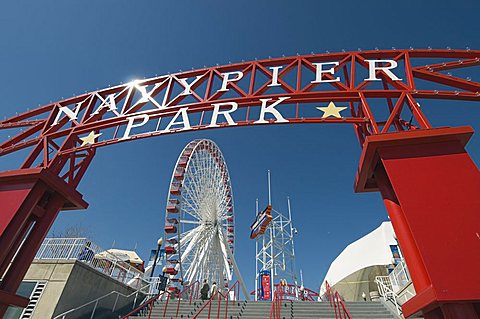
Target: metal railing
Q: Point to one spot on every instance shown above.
(101, 302)
(337, 303)
(87, 252)
(289, 292)
(276, 304)
(145, 308)
(232, 294)
(399, 277)
(387, 292)
(295, 292)
(188, 294)
(155, 284)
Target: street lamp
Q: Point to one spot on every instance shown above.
(159, 244)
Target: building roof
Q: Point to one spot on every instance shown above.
(370, 250)
(124, 255)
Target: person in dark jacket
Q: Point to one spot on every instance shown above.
(204, 291)
(87, 253)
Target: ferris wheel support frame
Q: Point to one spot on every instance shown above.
(237, 273)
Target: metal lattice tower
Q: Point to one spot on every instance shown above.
(275, 249)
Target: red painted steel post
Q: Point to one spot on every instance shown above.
(191, 292)
(166, 304)
(31, 200)
(209, 307)
(412, 256)
(150, 311)
(178, 304)
(226, 306)
(430, 187)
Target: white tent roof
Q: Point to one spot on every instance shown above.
(370, 250)
(125, 255)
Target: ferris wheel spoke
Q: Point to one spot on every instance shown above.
(192, 212)
(198, 170)
(193, 222)
(190, 203)
(191, 189)
(204, 202)
(186, 242)
(191, 241)
(201, 250)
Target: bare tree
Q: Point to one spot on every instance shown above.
(72, 231)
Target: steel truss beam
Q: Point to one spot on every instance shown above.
(62, 136)
(54, 137)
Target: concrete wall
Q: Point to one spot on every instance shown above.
(71, 284)
(55, 273)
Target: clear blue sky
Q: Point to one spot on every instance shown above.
(55, 49)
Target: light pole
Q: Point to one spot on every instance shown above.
(159, 243)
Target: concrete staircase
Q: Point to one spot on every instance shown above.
(261, 310)
(368, 310)
(314, 310)
(186, 310)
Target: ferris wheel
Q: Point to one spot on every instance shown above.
(199, 220)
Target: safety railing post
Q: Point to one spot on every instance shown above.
(134, 301)
(69, 256)
(272, 307)
(190, 294)
(166, 305)
(237, 295)
(115, 303)
(279, 303)
(337, 302)
(150, 311)
(226, 305)
(280, 298)
(94, 308)
(219, 301)
(178, 304)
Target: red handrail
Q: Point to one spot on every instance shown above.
(293, 292)
(219, 296)
(236, 294)
(208, 303)
(276, 303)
(166, 305)
(191, 290)
(337, 303)
(149, 303)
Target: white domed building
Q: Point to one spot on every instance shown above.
(353, 272)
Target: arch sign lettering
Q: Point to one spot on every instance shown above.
(376, 92)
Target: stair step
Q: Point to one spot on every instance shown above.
(261, 309)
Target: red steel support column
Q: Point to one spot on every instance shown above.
(431, 189)
(30, 202)
(404, 235)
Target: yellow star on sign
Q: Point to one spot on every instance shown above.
(90, 138)
(331, 110)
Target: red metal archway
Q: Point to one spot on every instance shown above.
(375, 91)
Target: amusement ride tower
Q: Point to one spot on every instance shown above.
(274, 233)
